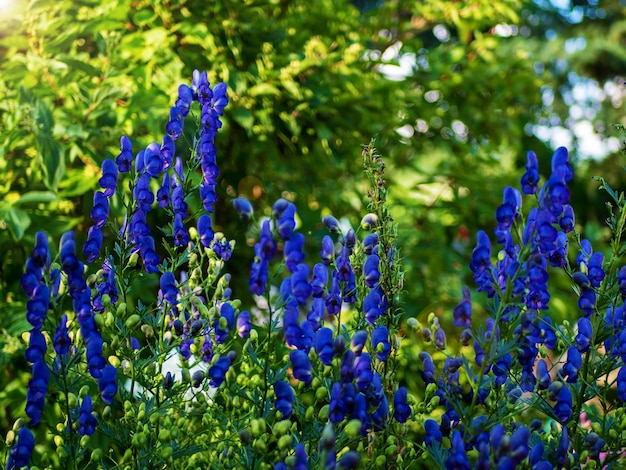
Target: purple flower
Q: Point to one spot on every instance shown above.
(328, 250)
(219, 100)
(285, 218)
(185, 99)
(284, 398)
(585, 334)
(572, 365)
(566, 222)
(293, 251)
(457, 457)
(331, 223)
(181, 235)
(205, 230)
(208, 195)
(428, 371)
(243, 207)
(333, 301)
(300, 287)
(621, 384)
(319, 281)
(36, 346)
(62, 341)
(222, 249)
(543, 375)
(595, 271)
(169, 291)
(163, 193)
(225, 323)
(142, 194)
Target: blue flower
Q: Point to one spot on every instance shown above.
(62, 340)
(125, 158)
(333, 301)
(572, 366)
(621, 384)
(37, 306)
(331, 223)
(284, 398)
(36, 346)
(463, 312)
(86, 421)
(563, 406)
(225, 323)
(293, 251)
(92, 246)
(328, 250)
(100, 211)
(357, 343)
(300, 287)
(428, 371)
(457, 457)
(223, 249)
(208, 195)
(243, 207)
(22, 450)
(301, 366)
(363, 371)
(243, 324)
(141, 192)
(401, 407)
(433, 432)
(543, 375)
(163, 193)
(380, 342)
(152, 162)
(169, 291)
(218, 371)
(324, 345)
(585, 334)
(371, 272)
(107, 384)
(205, 230)
(530, 178)
(284, 218)
(36, 391)
(319, 281)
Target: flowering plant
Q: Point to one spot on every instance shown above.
(142, 356)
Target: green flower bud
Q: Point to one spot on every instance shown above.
(324, 413)
(133, 321)
(96, 455)
(165, 435)
(10, 439)
(259, 445)
(109, 319)
(282, 427)
(309, 414)
(391, 451)
(121, 310)
(99, 320)
(72, 400)
(321, 393)
(58, 440)
(236, 303)
(166, 452)
(106, 412)
(353, 428)
(114, 361)
(284, 442)
(61, 453)
(381, 461)
(84, 441)
(147, 330)
(19, 424)
(132, 260)
(106, 300)
(128, 407)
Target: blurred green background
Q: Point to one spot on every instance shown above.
(454, 92)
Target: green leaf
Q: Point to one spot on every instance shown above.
(17, 220)
(264, 89)
(52, 159)
(244, 118)
(36, 196)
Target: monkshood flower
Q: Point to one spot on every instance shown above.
(480, 264)
(225, 323)
(148, 253)
(457, 457)
(428, 367)
(243, 207)
(107, 384)
(220, 99)
(174, 126)
(530, 179)
(327, 448)
(380, 417)
(319, 282)
(163, 193)
(141, 192)
(181, 235)
(169, 291)
(349, 460)
(37, 306)
(371, 270)
(433, 432)
(86, 421)
(106, 287)
(346, 370)
(463, 312)
(563, 406)
(62, 340)
(284, 398)
(621, 281)
(572, 366)
(36, 391)
(93, 245)
(373, 305)
(37, 346)
(217, 371)
(243, 324)
(401, 407)
(301, 366)
(100, 211)
(558, 256)
(152, 163)
(543, 375)
(566, 222)
(357, 343)
(300, 287)
(621, 384)
(380, 342)
(205, 230)
(594, 268)
(108, 180)
(324, 345)
(333, 301)
(284, 213)
(331, 223)
(508, 212)
(20, 453)
(585, 334)
(370, 243)
(363, 371)
(185, 99)
(207, 349)
(327, 253)
(293, 251)
(168, 149)
(343, 270)
(316, 314)
(125, 159)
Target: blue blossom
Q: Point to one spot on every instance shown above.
(428, 367)
(243, 207)
(316, 314)
(20, 453)
(401, 407)
(585, 334)
(433, 433)
(205, 230)
(572, 365)
(92, 246)
(357, 343)
(333, 301)
(37, 346)
(217, 371)
(457, 457)
(37, 306)
(543, 375)
(301, 366)
(153, 164)
(284, 216)
(349, 460)
(148, 253)
(225, 323)
(337, 406)
(370, 243)
(293, 251)
(566, 222)
(371, 271)
(223, 249)
(36, 391)
(169, 291)
(463, 312)
(324, 345)
(125, 158)
(181, 235)
(595, 271)
(220, 99)
(331, 223)
(530, 178)
(62, 340)
(163, 193)
(380, 342)
(100, 210)
(327, 253)
(107, 384)
(363, 371)
(167, 151)
(208, 195)
(243, 324)
(300, 287)
(86, 421)
(284, 398)
(621, 384)
(319, 281)
(563, 406)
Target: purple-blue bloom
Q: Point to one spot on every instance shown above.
(380, 342)
(284, 398)
(401, 407)
(243, 207)
(301, 366)
(217, 371)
